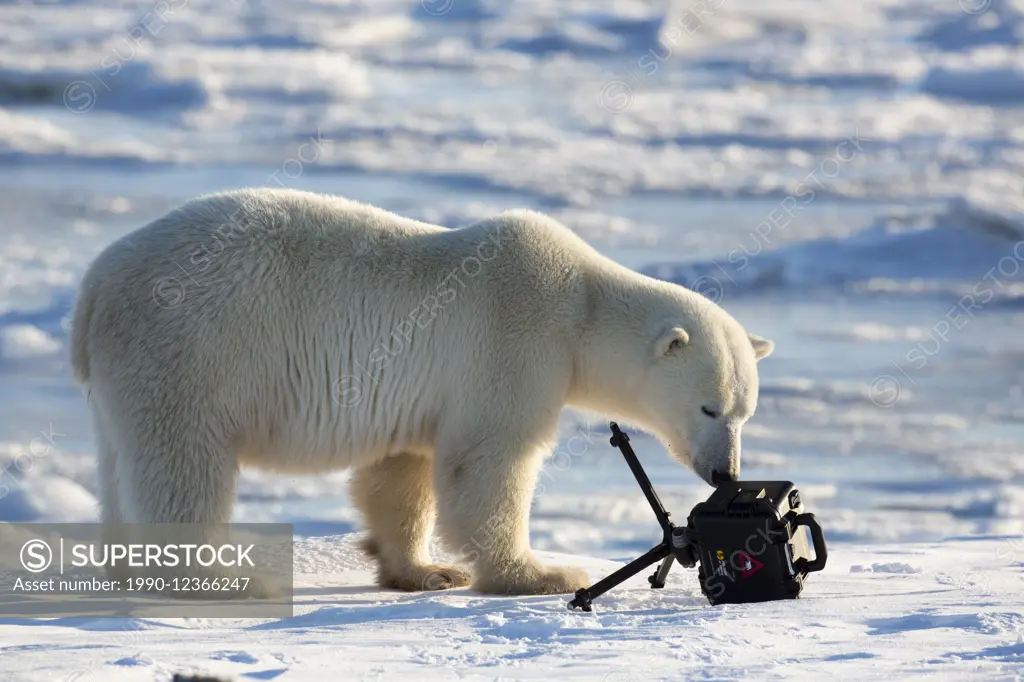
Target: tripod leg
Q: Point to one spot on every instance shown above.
(657, 580)
(584, 596)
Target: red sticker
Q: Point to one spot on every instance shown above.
(748, 565)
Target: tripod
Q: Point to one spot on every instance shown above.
(677, 543)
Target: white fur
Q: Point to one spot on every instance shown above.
(292, 348)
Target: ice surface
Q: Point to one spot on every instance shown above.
(946, 611)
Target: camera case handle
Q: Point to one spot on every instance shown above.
(818, 540)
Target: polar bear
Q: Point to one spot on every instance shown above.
(303, 333)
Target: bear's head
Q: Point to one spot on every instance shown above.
(700, 384)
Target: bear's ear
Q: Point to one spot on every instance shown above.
(762, 347)
(672, 340)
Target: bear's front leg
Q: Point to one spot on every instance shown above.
(484, 494)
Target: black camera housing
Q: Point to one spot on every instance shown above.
(750, 545)
(746, 537)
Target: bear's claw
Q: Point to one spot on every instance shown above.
(425, 578)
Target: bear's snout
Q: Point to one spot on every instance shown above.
(717, 456)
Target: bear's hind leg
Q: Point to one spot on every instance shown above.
(107, 474)
(187, 480)
(183, 475)
(396, 498)
(107, 482)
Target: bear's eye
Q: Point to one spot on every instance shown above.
(708, 412)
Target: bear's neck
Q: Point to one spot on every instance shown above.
(606, 375)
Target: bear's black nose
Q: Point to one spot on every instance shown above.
(719, 478)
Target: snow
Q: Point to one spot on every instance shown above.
(847, 183)
(54, 498)
(944, 610)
